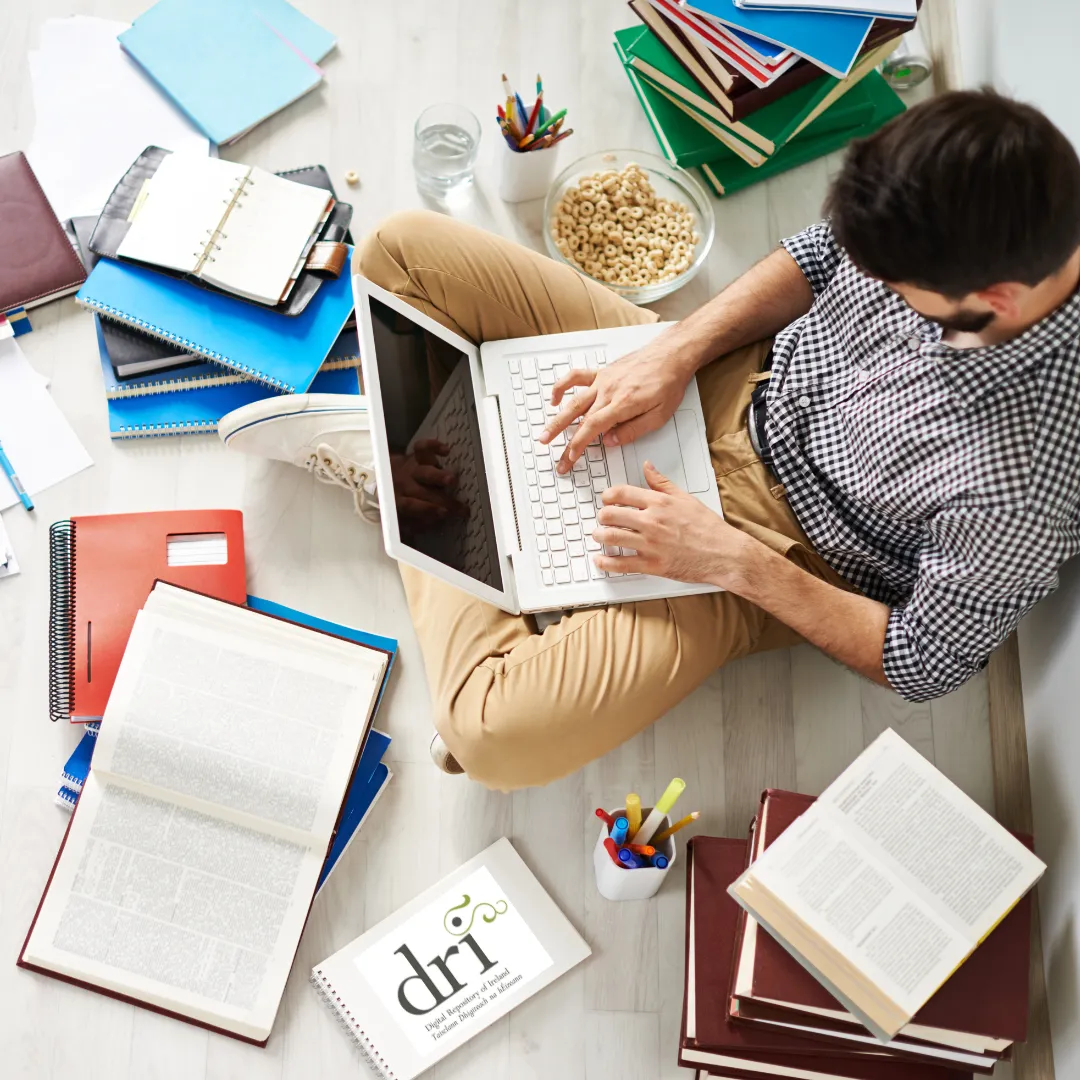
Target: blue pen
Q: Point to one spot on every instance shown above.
(629, 859)
(620, 829)
(523, 116)
(660, 862)
(16, 483)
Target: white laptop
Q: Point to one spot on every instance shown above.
(525, 542)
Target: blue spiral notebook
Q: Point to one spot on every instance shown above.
(344, 354)
(832, 41)
(228, 64)
(198, 411)
(257, 342)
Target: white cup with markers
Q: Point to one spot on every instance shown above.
(636, 849)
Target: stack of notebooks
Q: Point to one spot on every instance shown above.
(744, 92)
(214, 285)
(879, 932)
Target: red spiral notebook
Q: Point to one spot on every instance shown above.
(101, 571)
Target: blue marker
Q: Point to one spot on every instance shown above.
(620, 829)
(9, 472)
(629, 859)
(660, 862)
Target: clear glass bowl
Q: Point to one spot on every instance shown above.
(669, 182)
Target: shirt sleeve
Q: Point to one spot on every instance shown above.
(979, 574)
(817, 253)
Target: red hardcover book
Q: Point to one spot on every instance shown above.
(709, 1039)
(102, 569)
(983, 1008)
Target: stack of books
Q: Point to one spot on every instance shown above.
(879, 932)
(199, 312)
(744, 92)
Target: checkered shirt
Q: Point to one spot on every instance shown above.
(944, 483)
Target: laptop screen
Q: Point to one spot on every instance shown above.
(440, 484)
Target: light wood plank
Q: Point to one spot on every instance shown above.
(622, 1045)
(759, 736)
(961, 730)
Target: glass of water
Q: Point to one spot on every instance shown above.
(446, 141)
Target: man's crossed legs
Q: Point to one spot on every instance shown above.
(517, 707)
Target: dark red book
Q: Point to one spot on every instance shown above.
(983, 1008)
(709, 1039)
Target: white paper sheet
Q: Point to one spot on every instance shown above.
(96, 111)
(9, 565)
(41, 445)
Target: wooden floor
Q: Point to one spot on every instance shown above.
(791, 719)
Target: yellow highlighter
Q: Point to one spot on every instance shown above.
(659, 811)
(633, 812)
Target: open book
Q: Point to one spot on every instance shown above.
(886, 885)
(235, 226)
(191, 860)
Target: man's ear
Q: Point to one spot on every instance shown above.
(1006, 298)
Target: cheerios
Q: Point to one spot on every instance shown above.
(613, 227)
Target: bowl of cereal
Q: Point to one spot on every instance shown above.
(631, 221)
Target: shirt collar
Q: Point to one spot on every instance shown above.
(971, 373)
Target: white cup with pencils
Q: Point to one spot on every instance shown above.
(531, 137)
(636, 848)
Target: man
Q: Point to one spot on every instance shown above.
(892, 401)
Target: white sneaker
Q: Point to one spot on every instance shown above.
(327, 434)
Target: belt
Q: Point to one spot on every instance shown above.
(755, 417)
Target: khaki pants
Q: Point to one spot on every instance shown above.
(517, 707)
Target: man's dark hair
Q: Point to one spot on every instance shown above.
(959, 193)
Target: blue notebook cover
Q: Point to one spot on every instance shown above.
(282, 351)
(832, 41)
(344, 354)
(361, 794)
(197, 411)
(227, 64)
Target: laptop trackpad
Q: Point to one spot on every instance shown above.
(699, 474)
(662, 449)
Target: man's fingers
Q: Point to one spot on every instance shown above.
(617, 537)
(592, 425)
(622, 564)
(576, 377)
(657, 480)
(621, 517)
(621, 434)
(626, 495)
(577, 405)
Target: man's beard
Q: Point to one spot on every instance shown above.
(966, 322)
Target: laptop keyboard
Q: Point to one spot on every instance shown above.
(563, 508)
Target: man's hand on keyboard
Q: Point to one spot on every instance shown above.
(624, 401)
(672, 534)
(423, 490)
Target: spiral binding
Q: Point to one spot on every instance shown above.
(350, 1025)
(106, 311)
(61, 619)
(232, 203)
(150, 431)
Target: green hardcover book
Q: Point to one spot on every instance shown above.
(769, 127)
(686, 142)
(727, 174)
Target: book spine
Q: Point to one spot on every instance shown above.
(166, 386)
(350, 1024)
(61, 620)
(107, 311)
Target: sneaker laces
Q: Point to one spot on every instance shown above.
(325, 464)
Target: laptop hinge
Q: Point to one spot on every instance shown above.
(509, 481)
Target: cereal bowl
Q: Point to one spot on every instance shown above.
(668, 187)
